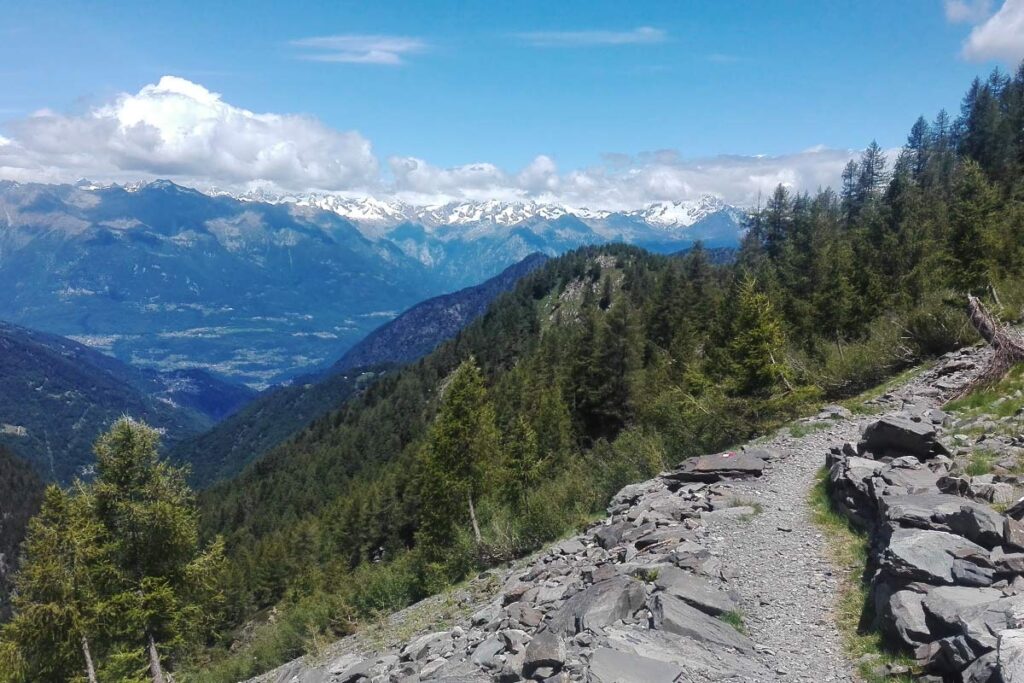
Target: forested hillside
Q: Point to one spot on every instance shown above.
(608, 363)
(278, 413)
(21, 492)
(57, 396)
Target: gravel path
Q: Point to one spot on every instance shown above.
(778, 561)
(779, 564)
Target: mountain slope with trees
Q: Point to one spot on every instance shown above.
(21, 491)
(58, 396)
(277, 414)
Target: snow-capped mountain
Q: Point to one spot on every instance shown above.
(380, 213)
(681, 214)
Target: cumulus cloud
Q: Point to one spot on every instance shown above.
(638, 36)
(359, 49)
(999, 36)
(181, 130)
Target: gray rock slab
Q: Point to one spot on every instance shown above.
(710, 468)
(613, 666)
(924, 555)
(601, 604)
(675, 616)
(695, 591)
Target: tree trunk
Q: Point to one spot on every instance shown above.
(90, 670)
(472, 517)
(155, 670)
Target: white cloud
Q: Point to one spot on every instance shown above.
(967, 11)
(623, 181)
(181, 130)
(638, 36)
(359, 49)
(1001, 36)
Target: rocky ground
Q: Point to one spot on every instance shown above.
(715, 571)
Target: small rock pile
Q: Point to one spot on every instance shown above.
(947, 578)
(637, 598)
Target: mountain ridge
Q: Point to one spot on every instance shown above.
(54, 387)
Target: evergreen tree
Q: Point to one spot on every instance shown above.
(60, 605)
(973, 227)
(462, 446)
(522, 468)
(758, 345)
(169, 591)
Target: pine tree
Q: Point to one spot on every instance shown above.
(973, 227)
(758, 345)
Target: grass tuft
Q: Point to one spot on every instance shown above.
(799, 430)
(981, 462)
(734, 619)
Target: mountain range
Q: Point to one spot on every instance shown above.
(262, 289)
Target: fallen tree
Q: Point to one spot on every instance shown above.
(1006, 342)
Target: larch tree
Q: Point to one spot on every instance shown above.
(461, 446)
(169, 589)
(59, 604)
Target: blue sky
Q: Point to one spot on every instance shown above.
(454, 83)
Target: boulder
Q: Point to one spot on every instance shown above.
(981, 624)
(601, 604)
(524, 614)
(695, 591)
(985, 669)
(711, 468)
(944, 605)
(900, 434)
(928, 556)
(609, 535)
(545, 651)
(426, 647)
(943, 512)
(906, 617)
(1010, 655)
(612, 666)
(486, 653)
(1013, 533)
